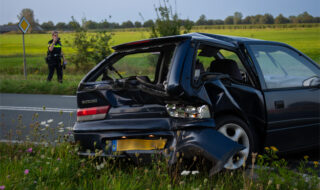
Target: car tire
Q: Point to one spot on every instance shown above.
(237, 130)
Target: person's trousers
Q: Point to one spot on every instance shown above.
(52, 67)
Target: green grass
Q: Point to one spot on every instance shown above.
(58, 166)
(307, 40)
(37, 44)
(37, 84)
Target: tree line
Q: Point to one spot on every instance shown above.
(236, 19)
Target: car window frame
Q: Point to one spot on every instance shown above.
(95, 72)
(159, 62)
(228, 48)
(260, 73)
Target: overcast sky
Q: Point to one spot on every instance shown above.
(123, 10)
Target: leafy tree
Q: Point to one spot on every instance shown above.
(305, 17)
(247, 20)
(293, 19)
(47, 25)
(316, 19)
(114, 25)
(202, 20)
(89, 50)
(218, 22)
(267, 19)
(100, 46)
(256, 19)
(72, 25)
(187, 25)
(104, 24)
(237, 16)
(280, 19)
(210, 22)
(214, 22)
(89, 24)
(167, 22)
(137, 24)
(229, 20)
(127, 24)
(29, 15)
(148, 23)
(81, 44)
(61, 26)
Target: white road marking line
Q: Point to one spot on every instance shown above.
(68, 96)
(22, 142)
(38, 109)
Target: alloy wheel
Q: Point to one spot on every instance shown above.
(236, 133)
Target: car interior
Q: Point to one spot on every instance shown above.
(216, 60)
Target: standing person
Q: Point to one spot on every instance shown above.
(54, 56)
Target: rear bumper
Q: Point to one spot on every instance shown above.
(92, 141)
(194, 137)
(94, 135)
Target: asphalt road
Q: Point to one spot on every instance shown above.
(30, 116)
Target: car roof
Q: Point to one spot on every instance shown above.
(231, 39)
(225, 40)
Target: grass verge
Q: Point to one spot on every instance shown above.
(57, 166)
(37, 84)
(29, 166)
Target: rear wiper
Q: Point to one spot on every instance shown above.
(111, 68)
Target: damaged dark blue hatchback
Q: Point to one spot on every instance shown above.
(217, 97)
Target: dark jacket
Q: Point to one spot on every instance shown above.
(55, 55)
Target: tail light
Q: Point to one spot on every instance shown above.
(93, 113)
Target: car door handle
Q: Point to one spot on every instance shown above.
(279, 104)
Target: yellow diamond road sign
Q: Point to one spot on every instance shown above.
(24, 25)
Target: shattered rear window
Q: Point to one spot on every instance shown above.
(151, 63)
(139, 64)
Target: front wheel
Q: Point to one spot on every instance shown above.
(238, 131)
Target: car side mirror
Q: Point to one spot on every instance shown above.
(312, 82)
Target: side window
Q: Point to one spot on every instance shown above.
(282, 67)
(217, 60)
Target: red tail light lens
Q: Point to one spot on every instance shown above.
(94, 113)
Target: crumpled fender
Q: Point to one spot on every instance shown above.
(207, 143)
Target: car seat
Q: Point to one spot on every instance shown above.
(226, 66)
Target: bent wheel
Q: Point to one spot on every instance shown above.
(238, 131)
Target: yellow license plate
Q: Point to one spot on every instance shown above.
(138, 144)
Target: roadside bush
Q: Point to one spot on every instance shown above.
(91, 48)
(168, 22)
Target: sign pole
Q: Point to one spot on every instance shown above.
(24, 59)
(24, 26)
